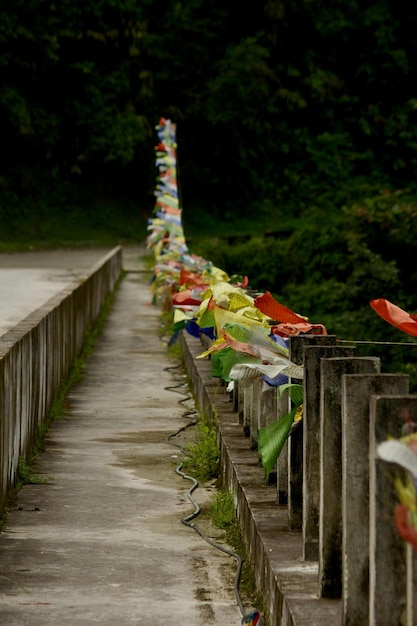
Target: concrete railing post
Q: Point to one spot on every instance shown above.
(255, 413)
(357, 390)
(311, 443)
(268, 407)
(264, 408)
(241, 403)
(295, 446)
(390, 596)
(411, 574)
(282, 408)
(247, 410)
(330, 526)
(267, 411)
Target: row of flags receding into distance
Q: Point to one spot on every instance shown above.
(249, 333)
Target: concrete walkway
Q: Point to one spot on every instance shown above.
(101, 542)
(29, 279)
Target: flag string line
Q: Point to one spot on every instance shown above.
(379, 343)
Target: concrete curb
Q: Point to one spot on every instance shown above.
(288, 584)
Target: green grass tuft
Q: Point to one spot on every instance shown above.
(222, 509)
(222, 512)
(26, 476)
(203, 457)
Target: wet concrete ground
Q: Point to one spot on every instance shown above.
(29, 279)
(101, 541)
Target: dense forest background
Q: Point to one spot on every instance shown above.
(297, 139)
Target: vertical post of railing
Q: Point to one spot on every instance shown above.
(268, 407)
(235, 397)
(411, 573)
(311, 443)
(240, 402)
(268, 412)
(4, 439)
(282, 408)
(255, 412)
(297, 345)
(389, 417)
(330, 525)
(356, 393)
(247, 409)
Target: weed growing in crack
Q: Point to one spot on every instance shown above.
(222, 509)
(222, 512)
(26, 476)
(203, 456)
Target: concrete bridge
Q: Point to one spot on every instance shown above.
(100, 540)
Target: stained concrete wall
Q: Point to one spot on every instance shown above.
(287, 583)
(36, 357)
(360, 573)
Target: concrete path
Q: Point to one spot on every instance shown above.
(29, 279)
(102, 541)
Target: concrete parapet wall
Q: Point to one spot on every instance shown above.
(288, 584)
(36, 357)
(320, 536)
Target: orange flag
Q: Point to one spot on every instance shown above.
(185, 298)
(276, 311)
(395, 316)
(190, 278)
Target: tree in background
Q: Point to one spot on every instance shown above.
(298, 116)
(73, 99)
(286, 104)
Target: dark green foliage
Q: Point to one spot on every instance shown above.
(297, 118)
(293, 104)
(71, 114)
(329, 266)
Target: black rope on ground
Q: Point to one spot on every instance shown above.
(188, 519)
